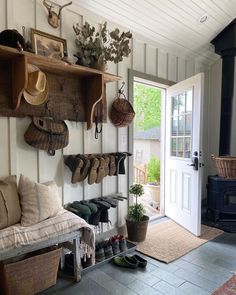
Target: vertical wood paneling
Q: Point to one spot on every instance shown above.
(19, 9)
(123, 146)
(109, 134)
(4, 148)
(162, 64)
(17, 157)
(27, 160)
(172, 67)
(151, 60)
(75, 146)
(9, 14)
(3, 22)
(139, 58)
(189, 68)
(69, 18)
(12, 145)
(181, 73)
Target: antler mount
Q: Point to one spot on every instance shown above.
(54, 18)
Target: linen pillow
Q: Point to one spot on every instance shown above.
(10, 211)
(39, 201)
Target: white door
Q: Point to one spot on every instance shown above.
(183, 173)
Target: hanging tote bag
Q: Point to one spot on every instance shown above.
(47, 134)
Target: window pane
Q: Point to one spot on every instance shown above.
(189, 101)
(181, 125)
(187, 147)
(174, 105)
(180, 147)
(188, 124)
(174, 126)
(173, 147)
(181, 103)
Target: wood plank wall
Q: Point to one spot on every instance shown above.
(17, 157)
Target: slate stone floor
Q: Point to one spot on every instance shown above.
(199, 272)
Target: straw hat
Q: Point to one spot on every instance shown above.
(36, 91)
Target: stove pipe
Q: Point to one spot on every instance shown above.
(225, 46)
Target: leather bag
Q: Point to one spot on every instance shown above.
(47, 134)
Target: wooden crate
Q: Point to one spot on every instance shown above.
(31, 275)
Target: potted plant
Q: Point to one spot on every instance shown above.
(95, 49)
(136, 221)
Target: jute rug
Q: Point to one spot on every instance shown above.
(168, 241)
(229, 288)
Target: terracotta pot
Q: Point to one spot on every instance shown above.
(137, 230)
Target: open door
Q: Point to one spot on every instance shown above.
(183, 167)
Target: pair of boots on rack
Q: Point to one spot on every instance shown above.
(95, 167)
(95, 211)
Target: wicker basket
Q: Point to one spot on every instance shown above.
(225, 166)
(31, 275)
(122, 112)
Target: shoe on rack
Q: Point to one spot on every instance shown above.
(99, 253)
(122, 243)
(108, 249)
(114, 241)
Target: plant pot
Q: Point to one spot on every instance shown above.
(137, 230)
(101, 67)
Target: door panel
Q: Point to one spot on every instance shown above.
(184, 153)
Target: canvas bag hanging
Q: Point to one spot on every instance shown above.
(47, 134)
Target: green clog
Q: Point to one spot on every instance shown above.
(141, 261)
(125, 261)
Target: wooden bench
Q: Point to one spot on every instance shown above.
(61, 240)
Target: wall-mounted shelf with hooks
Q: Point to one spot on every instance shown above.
(84, 87)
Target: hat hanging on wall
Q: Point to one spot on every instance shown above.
(12, 38)
(36, 92)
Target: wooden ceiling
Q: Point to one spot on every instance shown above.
(173, 23)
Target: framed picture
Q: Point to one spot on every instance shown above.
(48, 45)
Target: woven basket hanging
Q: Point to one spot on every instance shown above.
(225, 166)
(122, 112)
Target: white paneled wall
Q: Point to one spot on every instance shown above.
(17, 157)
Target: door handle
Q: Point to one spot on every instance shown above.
(194, 163)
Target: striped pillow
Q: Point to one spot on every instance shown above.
(39, 201)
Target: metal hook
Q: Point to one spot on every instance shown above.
(121, 90)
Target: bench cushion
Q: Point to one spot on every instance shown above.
(10, 211)
(65, 222)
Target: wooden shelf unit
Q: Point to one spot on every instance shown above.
(92, 80)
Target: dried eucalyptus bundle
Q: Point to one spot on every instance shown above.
(101, 46)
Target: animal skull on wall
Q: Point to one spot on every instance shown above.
(54, 18)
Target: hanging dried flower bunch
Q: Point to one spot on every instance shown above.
(96, 48)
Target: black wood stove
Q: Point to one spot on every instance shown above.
(221, 192)
(221, 199)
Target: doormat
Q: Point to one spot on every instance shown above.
(229, 288)
(169, 241)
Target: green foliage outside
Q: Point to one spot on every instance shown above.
(147, 105)
(153, 170)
